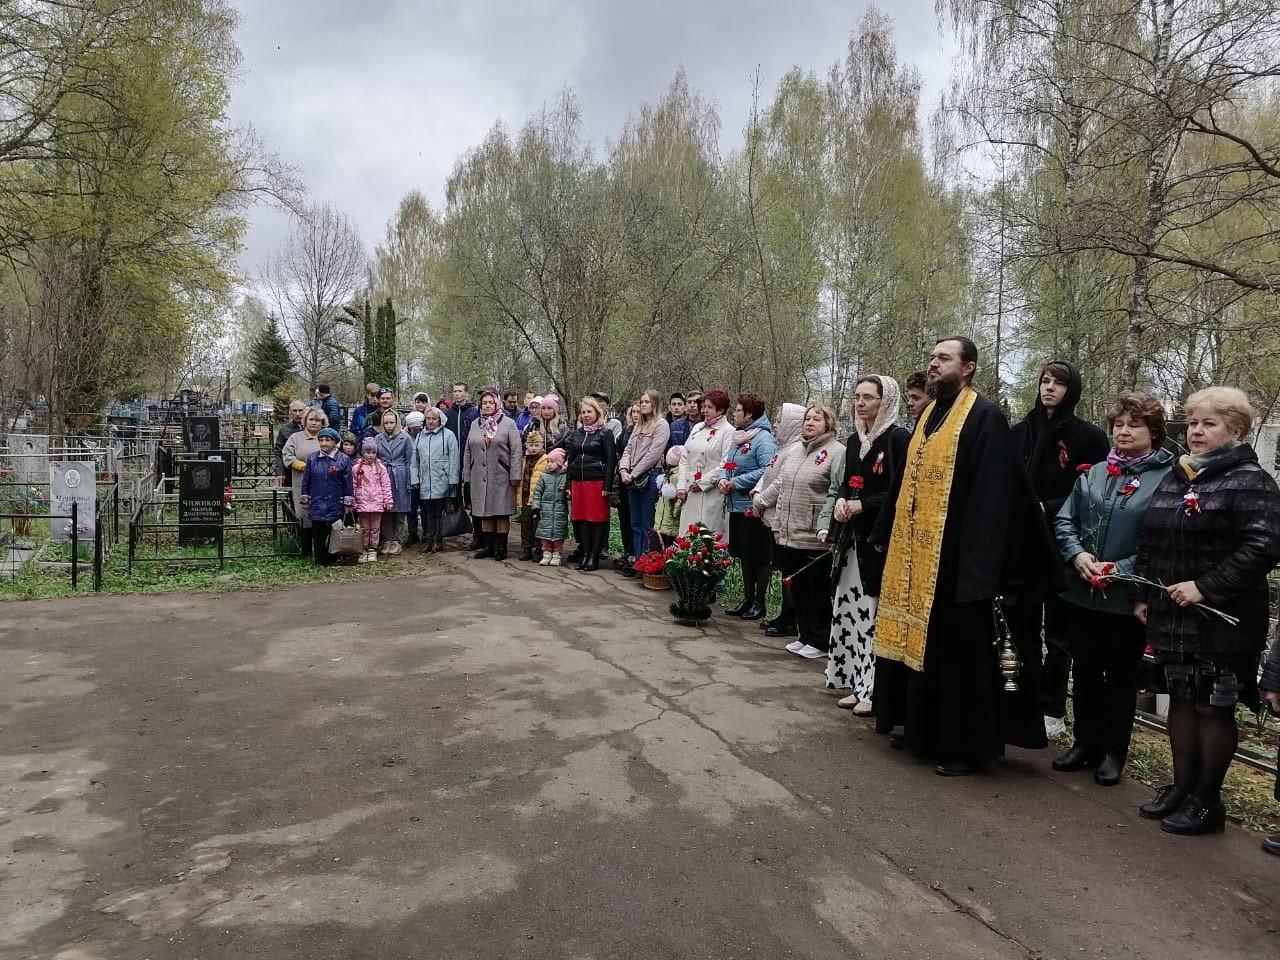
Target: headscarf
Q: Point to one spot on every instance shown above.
(790, 420)
(890, 400)
(383, 416)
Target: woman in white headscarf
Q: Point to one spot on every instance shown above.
(877, 448)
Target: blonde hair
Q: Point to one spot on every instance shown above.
(828, 416)
(596, 405)
(318, 414)
(1227, 402)
(655, 403)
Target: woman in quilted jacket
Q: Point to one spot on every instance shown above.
(1211, 535)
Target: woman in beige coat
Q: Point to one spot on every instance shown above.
(798, 495)
(697, 483)
(493, 464)
(294, 456)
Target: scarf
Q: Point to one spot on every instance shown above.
(1193, 464)
(713, 421)
(592, 428)
(1117, 459)
(886, 418)
(490, 424)
(915, 547)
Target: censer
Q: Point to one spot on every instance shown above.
(1006, 653)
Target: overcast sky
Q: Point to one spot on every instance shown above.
(371, 100)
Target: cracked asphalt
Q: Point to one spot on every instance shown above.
(492, 760)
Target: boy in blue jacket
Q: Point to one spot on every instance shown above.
(326, 491)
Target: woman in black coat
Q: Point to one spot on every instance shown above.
(592, 465)
(1212, 535)
(1271, 694)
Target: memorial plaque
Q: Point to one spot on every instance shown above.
(200, 506)
(72, 482)
(200, 434)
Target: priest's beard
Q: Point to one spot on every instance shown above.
(943, 388)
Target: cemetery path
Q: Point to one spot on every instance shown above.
(499, 761)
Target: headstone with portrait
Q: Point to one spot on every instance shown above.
(226, 457)
(200, 434)
(200, 503)
(72, 482)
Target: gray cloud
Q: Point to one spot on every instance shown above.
(371, 101)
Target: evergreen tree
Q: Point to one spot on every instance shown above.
(272, 363)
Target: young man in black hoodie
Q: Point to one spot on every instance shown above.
(1053, 443)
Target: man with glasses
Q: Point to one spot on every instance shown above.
(360, 416)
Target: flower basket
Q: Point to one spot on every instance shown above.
(652, 568)
(695, 566)
(656, 581)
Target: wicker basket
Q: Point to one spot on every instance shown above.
(656, 581)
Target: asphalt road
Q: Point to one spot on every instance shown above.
(497, 761)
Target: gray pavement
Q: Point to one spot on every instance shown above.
(497, 761)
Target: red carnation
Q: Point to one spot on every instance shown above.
(731, 465)
(1084, 468)
(697, 476)
(718, 537)
(786, 581)
(748, 512)
(1113, 470)
(856, 483)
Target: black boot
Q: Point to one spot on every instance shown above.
(1109, 770)
(500, 541)
(1194, 818)
(1078, 757)
(487, 543)
(754, 612)
(576, 557)
(594, 546)
(526, 554)
(1168, 800)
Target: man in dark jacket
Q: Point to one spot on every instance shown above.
(458, 419)
(297, 410)
(360, 415)
(678, 421)
(329, 404)
(1053, 444)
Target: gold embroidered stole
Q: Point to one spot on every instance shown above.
(915, 548)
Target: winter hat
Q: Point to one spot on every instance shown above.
(674, 455)
(415, 419)
(556, 456)
(369, 445)
(331, 433)
(349, 437)
(535, 436)
(552, 401)
(537, 400)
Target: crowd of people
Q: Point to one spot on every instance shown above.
(953, 573)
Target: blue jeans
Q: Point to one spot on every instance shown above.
(642, 501)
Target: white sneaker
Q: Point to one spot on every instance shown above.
(810, 652)
(555, 560)
(546, 560)
(1054, 726)
(364, 557)
(373, 556)
(794, 646)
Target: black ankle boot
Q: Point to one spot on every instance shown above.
(499, 546)
(1109, 771)
(525, 554)
(754, 612)
(1168, 800)
(590, 562)
(1194, 818)
(1077, 758)
(740, 609)
(486, 546)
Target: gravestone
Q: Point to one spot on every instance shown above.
(72, 481)
(200, 506)
(200, 434)
(226, 457)
(29, 458)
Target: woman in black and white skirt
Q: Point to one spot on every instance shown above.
(858, 490)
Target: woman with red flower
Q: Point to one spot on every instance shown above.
(875, 451)
(706, 450)
(1219, 553)
(798, 494)
(1098, 530)
(750, 542)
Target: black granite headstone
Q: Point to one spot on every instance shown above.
(200, 504)
(227, 457)
(200, 434)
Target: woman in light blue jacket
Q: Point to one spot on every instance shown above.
(435, 470)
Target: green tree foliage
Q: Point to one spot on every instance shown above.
(121, 191)
(271, 360)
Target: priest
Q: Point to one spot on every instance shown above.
(969, 563)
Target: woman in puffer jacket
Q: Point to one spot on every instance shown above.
(1212, 534)
(436, 471)
(799, 494)
(750, 541)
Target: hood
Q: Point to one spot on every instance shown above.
(1158, 460)
(1067, 409)
(790, 420)
(816, 442)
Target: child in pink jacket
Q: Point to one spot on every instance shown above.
(371, 485)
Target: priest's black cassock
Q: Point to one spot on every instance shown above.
(994, 544)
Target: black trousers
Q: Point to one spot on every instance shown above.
(432, 511)
(1108, 657)
(415, 508)
(811, 591)
(320, 530)
(528, 529)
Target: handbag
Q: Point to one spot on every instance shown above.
(454, 521)
(345, 539)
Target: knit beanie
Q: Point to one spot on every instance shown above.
(415, 419)
(369, 445)
(552, 401)
(674, 455)
(556, 456)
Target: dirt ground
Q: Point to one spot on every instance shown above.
(492, 760)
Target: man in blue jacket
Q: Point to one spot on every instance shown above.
(329, 404)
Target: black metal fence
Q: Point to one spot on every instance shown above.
(259, 524)
(26, 533)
